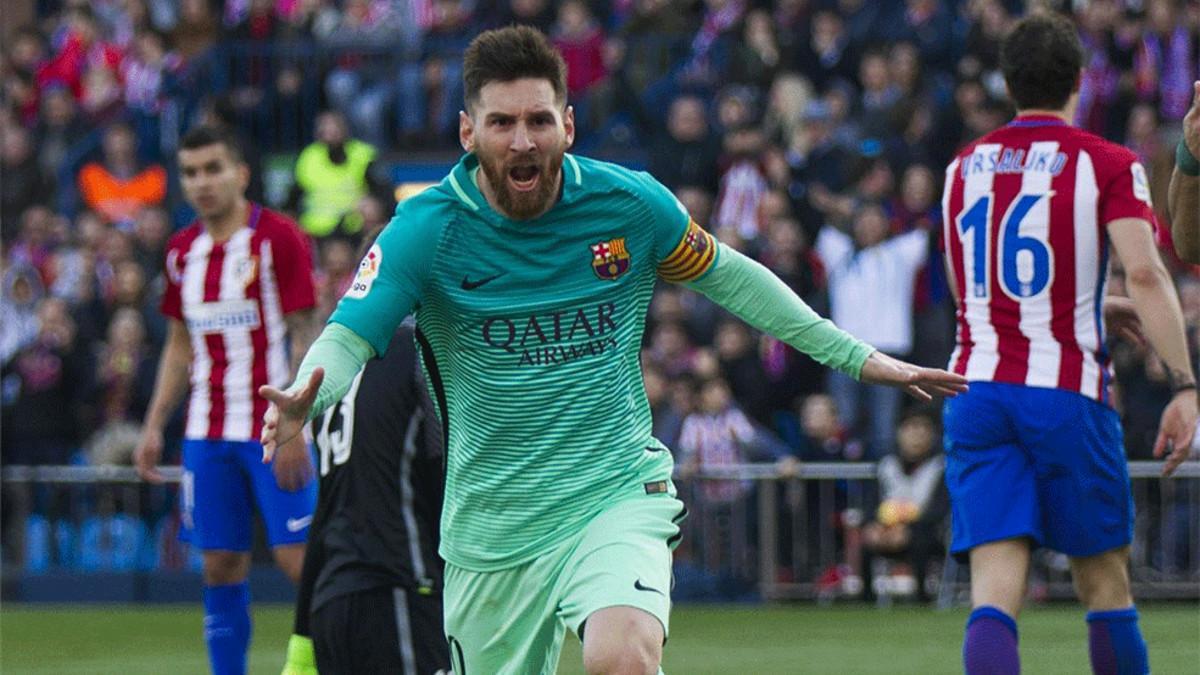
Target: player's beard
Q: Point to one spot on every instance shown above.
(519, 204)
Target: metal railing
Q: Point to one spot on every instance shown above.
(751, 532)
(802, 537)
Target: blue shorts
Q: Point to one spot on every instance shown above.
(1047, 464)
(221, 481)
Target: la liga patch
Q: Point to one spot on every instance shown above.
(368, 269)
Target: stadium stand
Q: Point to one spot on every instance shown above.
(780, 123)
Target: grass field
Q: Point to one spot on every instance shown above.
(127, 640)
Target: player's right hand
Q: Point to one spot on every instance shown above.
(288, 412)
(148, 453)
(1177, 430)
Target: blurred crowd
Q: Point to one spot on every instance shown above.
(810, 134)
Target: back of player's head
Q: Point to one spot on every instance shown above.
(512, 53)
(206, 135)
(1041, 58)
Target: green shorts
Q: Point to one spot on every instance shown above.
(514, 620)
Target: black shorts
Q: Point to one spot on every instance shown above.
(381, 630)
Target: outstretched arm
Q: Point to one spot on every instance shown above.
(325, 376)
(758, 297)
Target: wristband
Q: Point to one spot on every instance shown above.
(1188, 165)
(1182, 388)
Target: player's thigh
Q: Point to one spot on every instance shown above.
(380, 630)
(991, 479)
(624, 560)
(286, 514)
(503, 622)
(1083, 478)
(216, 505)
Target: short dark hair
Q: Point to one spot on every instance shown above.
(204, 136)
(1041, 58)
(512, 53)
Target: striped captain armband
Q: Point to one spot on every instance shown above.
(691, 258)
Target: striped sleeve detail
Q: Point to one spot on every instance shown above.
(691, 257)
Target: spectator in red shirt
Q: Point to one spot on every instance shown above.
(80, 50)
(580, 40)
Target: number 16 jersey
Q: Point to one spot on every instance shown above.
(1026, 209)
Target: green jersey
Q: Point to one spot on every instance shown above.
(530, 333)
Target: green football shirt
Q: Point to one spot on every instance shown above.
(530, 333)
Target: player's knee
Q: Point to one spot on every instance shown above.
(1102, 581)
(222, 568)
(290, 559)
(635, 657)
(622, 641)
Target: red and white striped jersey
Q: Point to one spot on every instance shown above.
(1025, 211)
(232, 297)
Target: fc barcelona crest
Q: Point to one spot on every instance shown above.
(610, 259)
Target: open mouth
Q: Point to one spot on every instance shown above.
(524, 178)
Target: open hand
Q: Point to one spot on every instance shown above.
(287, 413)
(921, 383)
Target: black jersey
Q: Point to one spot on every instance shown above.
(379, 458)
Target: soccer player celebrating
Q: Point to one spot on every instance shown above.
(1034, 452)
(1183, 196)
(370, 598)
(239, 286)
(530, 271)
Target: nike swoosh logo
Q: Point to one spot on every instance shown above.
(638, 585)
(297, 524)
(468, 285)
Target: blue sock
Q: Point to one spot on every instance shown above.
(1115, 643)
(227, 627)
(990, 646)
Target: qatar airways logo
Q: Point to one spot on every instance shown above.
(553, 338)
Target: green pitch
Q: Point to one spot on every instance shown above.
(127, 640)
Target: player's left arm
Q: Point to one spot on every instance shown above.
(754, 294)
(758, 297)
(1183, 197)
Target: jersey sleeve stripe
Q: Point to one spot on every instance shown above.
(688, 269)
(682, 248)
(691, 257)
(692, 271)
